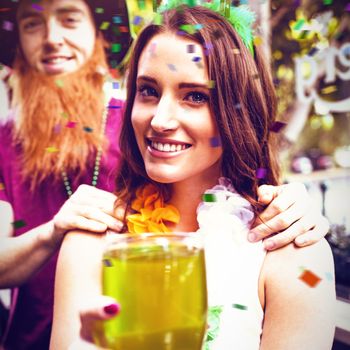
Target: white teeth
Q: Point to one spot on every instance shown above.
(56, 60)
(167, 147)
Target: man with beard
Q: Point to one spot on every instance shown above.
(63, 133)
(59, 152)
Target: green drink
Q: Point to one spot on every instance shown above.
(159, 281)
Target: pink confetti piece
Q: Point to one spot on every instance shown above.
(71, 124)
(215, 141)
(7, 25)
(261, 173)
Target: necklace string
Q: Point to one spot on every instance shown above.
(96, 170)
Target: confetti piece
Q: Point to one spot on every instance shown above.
(309, 278)
(257, 40)
(37, 7)
(198, 26)
(327, 2)
(313, 51)
(59, 83)
(123, 29)
(99, 10)
(329, 89)
(104, 25)
(347, 8)
(236, 51)
(209, 197)
(51, 149)
(71, 124)
(196, 59)
(18, 224)
(217, 34)
(180, 32)
(2, 186)
(215, 141)
(329, 276)
(239, 307)
(152, 48)
(113, 107)
(189, 28)
(7, 25)
(238, 106)
(57, 128)
(277, 126)
(137, 20)
(107, 262)
(117, 19)
(116, 47)
(88, 129)
(261, 173)
(115, 85)
(171, 67)
(211, 84)
(190, 48)
(158, 19)
(298, 25)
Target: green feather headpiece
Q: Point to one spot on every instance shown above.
(240, 17)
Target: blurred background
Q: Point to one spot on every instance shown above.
(308, 46)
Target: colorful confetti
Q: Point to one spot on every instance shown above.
(51, 149)
(347, 7)
(116, 47)
(2, 186)
(310, 278)
(107, 262)
(117, 20)
(215, 141)
(115, 85)
(196, 59)
(59, 83)
(239, 307)
(18, 224)
(236, 51)
(329, 89)
(171, 67)
(7, 25)
(88, 129)
(104, 25)
(211, 84)
(261, 173)
(137, 20)
(190, 48)
(71, 124)
(37, 7)
(209, 197)
(277, 126)
(99, 10)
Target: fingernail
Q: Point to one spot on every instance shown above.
(112, 309)
(300, 240)
(252, 237)
(269, 245)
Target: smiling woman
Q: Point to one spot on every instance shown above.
(55, 36)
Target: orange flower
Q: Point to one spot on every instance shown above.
(152, 213)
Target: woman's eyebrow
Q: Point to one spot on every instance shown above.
(147, 78)
(28, 13)
(192, 85)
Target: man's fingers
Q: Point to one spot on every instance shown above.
(283, 238)
(314, 235)
(279, 222)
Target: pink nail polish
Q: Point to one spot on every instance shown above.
(251, 237)
(269, 245)
(112, 309)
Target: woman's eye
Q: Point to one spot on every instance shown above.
(32, 24)
(197, 97)
(71, 20)
(147, 91)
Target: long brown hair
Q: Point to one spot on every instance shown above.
(243, 104)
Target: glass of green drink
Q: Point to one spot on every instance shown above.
(160, 282)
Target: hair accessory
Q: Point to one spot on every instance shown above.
(240, 17)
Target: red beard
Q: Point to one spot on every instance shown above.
(58, 112)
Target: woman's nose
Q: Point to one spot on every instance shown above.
(165, 116)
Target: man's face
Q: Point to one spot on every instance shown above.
(56, 36)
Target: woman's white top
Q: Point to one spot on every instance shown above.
(233, 267)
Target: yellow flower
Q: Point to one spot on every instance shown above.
(152, 214)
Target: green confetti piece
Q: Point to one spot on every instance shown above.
(104, 25)
(327, 2)
(99, 10)
(59, 83)
(299, 24)
(188, 28)
(209, 197)
(158, 19)
(18, 224)
(239, 307)
(116, 47)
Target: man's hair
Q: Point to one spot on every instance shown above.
(242, 102)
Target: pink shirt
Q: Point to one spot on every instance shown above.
(32, 303)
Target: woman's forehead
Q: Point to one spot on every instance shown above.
(175, 55)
